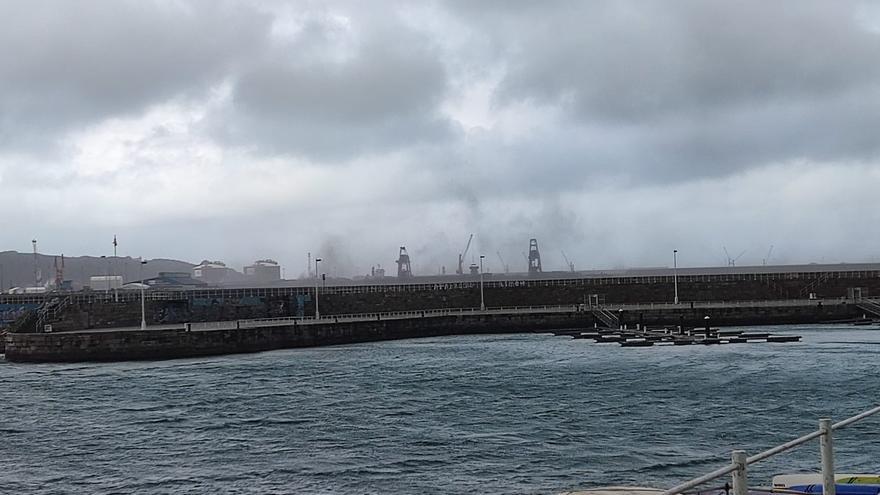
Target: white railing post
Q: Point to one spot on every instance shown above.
(738, 467)
(740, 478)
(826, 445)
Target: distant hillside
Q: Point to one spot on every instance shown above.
(17, 269)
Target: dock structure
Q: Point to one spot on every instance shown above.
(648, 337)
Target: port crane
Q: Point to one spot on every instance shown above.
(503, 264)
(460, 269)
(568, 263)
(767, 258)
(732, 261)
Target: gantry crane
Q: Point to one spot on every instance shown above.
(503, 264)
(460, 269)
(569, 264)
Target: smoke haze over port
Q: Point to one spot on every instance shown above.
(616, 131)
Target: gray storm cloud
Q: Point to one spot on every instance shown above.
(613, 130)
(65, 65)
(688, 89)
(382, 96)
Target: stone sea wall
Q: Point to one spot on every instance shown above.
(113, 345)
(175, 343)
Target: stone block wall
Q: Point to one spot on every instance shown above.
(176, 343)
(237, 304)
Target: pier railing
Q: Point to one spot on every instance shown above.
(612, 309)
(738, 468)
(390, 315)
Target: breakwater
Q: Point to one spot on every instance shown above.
(255, 336)
(113, 345)
(86, 310)
(96, 309)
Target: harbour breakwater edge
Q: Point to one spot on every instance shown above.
(255, 335)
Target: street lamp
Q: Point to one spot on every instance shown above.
(675, 272)
(317, 279)
(115, 288)
(482, 301)
(143, 310)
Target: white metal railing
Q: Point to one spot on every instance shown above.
(739, 462)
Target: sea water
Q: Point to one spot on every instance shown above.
(526, 413)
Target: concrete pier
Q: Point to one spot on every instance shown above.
(237, 336)
(189, 341)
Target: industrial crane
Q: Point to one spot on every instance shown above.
(732, 261)
(767, 258)
(503, 264)
(460, 270)
(568, 263)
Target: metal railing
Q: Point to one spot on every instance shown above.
(608, 318)
(391, 315)
(813, 285)
(739, 461)
(48, 312)
(611, 310)
(728, 304)
(869, 306)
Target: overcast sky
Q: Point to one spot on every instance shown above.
(616, 131)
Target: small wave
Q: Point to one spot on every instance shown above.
(687, 463)
(508, 413)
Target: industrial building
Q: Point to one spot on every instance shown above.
(263, 271)
(105, 282)
(213, 272)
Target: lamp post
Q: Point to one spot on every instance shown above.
(143, 305)
(317, 279)
(675, 272)
(115, 289)
(482, 300)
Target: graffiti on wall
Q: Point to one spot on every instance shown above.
(11, 312)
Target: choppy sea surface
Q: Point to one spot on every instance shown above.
(481, 414)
